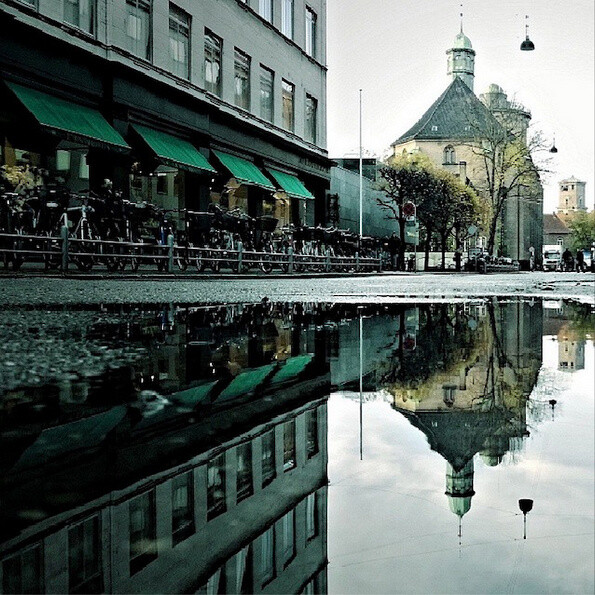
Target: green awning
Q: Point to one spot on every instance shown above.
(291, 184)
(292, 368)
(245, 382)
(192, 396)
(73, 121)
(174, 151)
(244, 171)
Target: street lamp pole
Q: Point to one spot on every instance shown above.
(361, 171)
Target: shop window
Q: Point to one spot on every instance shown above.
(182, 504)
(216, 486)
(287, 18)
(142, 524)
(268, 457)
(242, 79)
(289, 445)
(179, 42)
(265, 10)
(311, 433)
(311, 517)
(287, 529)
(310, 32)
(138, 28)
(22, 573)
(213, 48)
(244, 471)
(267, 556)
(288, 91)
(311, 116)
(267, 79)
(85, 573)
(81, 14)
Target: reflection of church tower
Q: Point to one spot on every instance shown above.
(459, 489)
(571, 354)
(461, 59)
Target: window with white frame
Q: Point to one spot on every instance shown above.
(310, 45)
(242, 79)
(311, 115)
(450, 156)
(267, 82)
(179, 42)
(265, 9)
(81, 14)
(138, 28)
(85, 573)
(213, 48)
(287, 96)
(287, 18)
(311, 517)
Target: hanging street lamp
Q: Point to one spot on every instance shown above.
(527, 45)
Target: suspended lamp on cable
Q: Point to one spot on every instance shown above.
(527, 45)
(554, 149)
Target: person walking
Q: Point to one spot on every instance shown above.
(580, 261)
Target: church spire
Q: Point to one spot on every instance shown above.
(461, 57)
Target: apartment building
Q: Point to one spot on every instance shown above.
(178, 103)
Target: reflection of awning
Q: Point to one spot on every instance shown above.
(192, 396)
(70, 120)
(293, 366)
(245, 382)
(77, 435)
(174, 151)
(291, 184)
(243, 170)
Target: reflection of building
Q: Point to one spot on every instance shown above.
(571, 350)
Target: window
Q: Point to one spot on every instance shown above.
(243, 574)
(311, 517)
(310, 125)
(449, 392)
(310, 32)
(22, 573)
(268, 458)
(450, 156)
(216, 486)
(311, 433)
(213, 45)
(179, 42)
(267, 556)
(84, 557)
(244, 471)
(287, 527)
(143, 543)
(30, 2)
(182, 507)
(289, 445)
(265, 9)
(267, 78)
(81, 14)
(242, 79)
(138, 28)
(287, 18)
(287, 90)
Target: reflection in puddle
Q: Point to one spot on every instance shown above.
(198, 460)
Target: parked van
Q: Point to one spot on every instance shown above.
(552, 257)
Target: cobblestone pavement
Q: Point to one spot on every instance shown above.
(54, 291)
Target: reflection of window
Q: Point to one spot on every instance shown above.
(85, 574)
(268, 457)
(311, 517)
(310, 32)
(448, 394)
(143, 544)
(267, 78)
(242, 79)
(265, 9)
(287, 18)
(182, 504)
(179, 42)
(310, 124)
(81, 14)
(449, 155)
(287, 528)
(267, 556)
(311, 433)
(216, 486)
(138, 28)
(244, 470)
(213, 45)
(287, 90)
(289, 445)
(22, 573)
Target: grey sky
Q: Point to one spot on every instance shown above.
(395, 51)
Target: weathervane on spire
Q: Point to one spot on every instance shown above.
(461, 14)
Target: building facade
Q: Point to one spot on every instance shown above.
(178, 103)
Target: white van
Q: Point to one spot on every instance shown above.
(552, 257)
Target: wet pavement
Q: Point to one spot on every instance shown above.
(287, 446)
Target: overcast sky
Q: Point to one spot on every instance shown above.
(395, 51)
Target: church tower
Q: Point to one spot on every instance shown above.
(461, 59)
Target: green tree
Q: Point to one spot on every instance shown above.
(582, 227)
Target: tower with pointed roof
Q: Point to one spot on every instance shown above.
(461, 59)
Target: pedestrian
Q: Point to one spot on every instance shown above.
(567, 260)
(580, 261)
(531, 258)
(394, 250)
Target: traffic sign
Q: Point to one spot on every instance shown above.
(409, 210)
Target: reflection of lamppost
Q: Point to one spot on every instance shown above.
(526, 505)
(410, 215)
